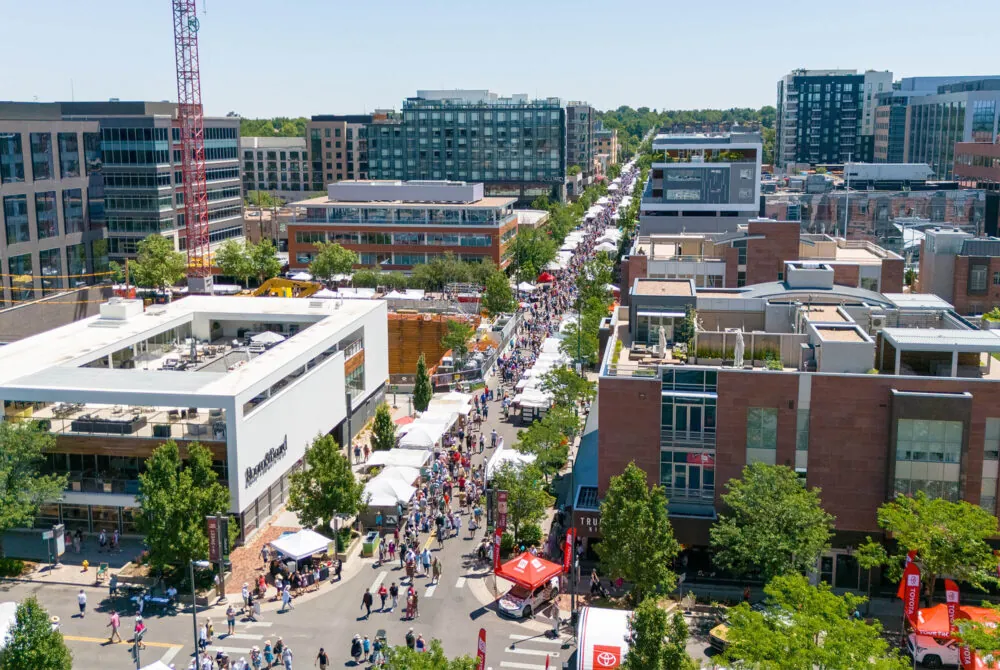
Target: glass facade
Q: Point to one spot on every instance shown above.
(69, 155)
(22, 279)
(50, 265)
(984, 120)
(11, 158)
(827, 118)
(72, 203)
(76, 259)
(934, 129)
(15, 212)
(928, 454)
(41, 156)
(687, 439)
(762, 434)
(46, 215)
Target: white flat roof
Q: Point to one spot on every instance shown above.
(935, 339)
(919, 301)
(53, 359)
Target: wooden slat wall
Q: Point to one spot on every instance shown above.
(126, 446)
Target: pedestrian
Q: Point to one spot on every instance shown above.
(356, 649)
(368, 452)
(115, 538)
(114, 624)
(268, 654)
(81, 599)
(286, 658)
(231, 619)
(203, 636)
(139, 631)
(210, 627)
(279, 649)
(102, 541)
(437, 570)
(421, 645)
(286, 599)
(394, 594)
(366, 603)
(340, 567)
(366, 648)
(322, 659)
(264, 556)
(357, 453)
(746, 593)
(410, 639)
(256, 660)
(245, 592)
(383, 593)
(493, 439)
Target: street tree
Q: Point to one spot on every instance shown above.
(422, 389)
(657, 640)
(773, 524)
(331, 260)
(457, 339)
(981, 635)
(32, 643)
(567, 387)
(638, 542)
(581, 341)
(233, 260)
(532, 250)
(22, 487)
(594, 278)
(547, 441)
(527, 501)
(157, 265)
(383, 429)
(326, 487)
(870, 555)
(263, 260)
(950, 538)
(174, 498)
(497, 297)
(433, 658)
(805, 626)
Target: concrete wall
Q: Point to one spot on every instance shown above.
(51, 312)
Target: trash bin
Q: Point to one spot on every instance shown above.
(370, 545)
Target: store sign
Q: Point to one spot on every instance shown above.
(587, 524)
(213, 538)
(502, 510)
(272, 456)
(706, 460)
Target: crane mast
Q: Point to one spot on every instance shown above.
(191, 119)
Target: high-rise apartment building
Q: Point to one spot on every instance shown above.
(965, 111)
(51, 202)
(338, 148)
(822, 114)
(515, 146)
(580, 119)
(276, 165)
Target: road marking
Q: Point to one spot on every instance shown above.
(243, 636)
(521, 666)
(534, 638)
(103, 640)
(460, 584)
(431, 538)
(378, 581)
(430, 590)
(231, 650)
(255, 624)
(169, 656)
(533, 652)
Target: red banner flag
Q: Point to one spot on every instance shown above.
(911, 590)
(967, 658)
(568, 549)
(951, 598)
(481, 650)
(910, 557)
(496, 549)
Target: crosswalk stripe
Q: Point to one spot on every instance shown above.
(378, 581)
(243, 636)
(533, 652)
(230, 650)
(460, 583)
(258, 624)
(169, 656)
(534, 638)
(430, 590)
(521, 666)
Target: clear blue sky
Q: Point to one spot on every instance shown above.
(303, 57)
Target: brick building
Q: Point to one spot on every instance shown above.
(961, 268)
(927, 421)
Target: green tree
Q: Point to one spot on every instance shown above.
(22, 488)
(638, 542)
(950, 538)
(527, 501)
(383, 429)
(332, 259)
(263, 200)
(32, 644)
(982, 636)
(366, 278)
(684, 332)
(773, 524)
(657, 640)
(573, 170)
(498, 298)
(547, 442)
(567, 387)
(870, 555)
(157, 265)
(404, 658)
(806, 626)
(593, 281)
(581, 341)
(264, 260)
(532, 250)
(326, 486)
(174, 498)
(280, 126)
(457, 339)
(233, 260)
(422, 389)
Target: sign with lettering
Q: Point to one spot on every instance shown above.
(213, 538)
(502, 510)
(273, 455)
(587, 524)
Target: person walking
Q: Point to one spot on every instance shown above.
(286, 599)
(268, 654)
(139, 632)
(81, 600)
(231, 620)
(421, 645)
(322, 659)
(366, 648)
(286, 658)
(203, 636)
(366, 602)
(356, 649)
(410, 639)
(265, 556)
(383, 593)
(436, 565)
(394, 594)
(114, 624)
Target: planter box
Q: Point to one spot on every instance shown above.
(709, 361)
(990, 325)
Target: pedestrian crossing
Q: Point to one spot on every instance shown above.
(531, 652)
(248, 637)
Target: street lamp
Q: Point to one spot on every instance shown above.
(201, 565)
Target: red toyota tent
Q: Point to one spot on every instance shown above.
(529, 571)
(546, 278)
(933, 621)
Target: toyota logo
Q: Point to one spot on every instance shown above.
(606, 659)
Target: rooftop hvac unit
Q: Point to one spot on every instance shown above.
(315, 304)
(878, 322)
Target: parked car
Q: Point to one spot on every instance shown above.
(717, 637)
(930, 652)
(521, 603)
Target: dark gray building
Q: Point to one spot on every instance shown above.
(515, 146)
(580, 119)
(51, 202)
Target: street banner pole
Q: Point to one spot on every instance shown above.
(481, 650)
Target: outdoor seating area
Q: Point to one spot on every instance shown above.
(179, 423)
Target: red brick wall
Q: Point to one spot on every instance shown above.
(892, 275)
(634, 266)
(960, 286)
(732, 257)
(630, 428)
(846, 275)
(766, 258)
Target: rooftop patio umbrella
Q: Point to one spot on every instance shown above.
(267, 337)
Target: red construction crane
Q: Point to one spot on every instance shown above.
(191, 119)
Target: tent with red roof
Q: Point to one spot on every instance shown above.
(529, 571)
(933, 621)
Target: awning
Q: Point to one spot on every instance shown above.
(675, 315)
(403, 473)
(303, 544)
(529, 571)
(417, 438)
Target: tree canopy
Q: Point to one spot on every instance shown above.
(383, 429)
(433, 658)
(548, 439)
(567, 387)
(22, 487)
(773, 524)
(157, 265)
(638, 542)
(950, 538)
(457, 339)
(332, 259)
(279, 126)
(805, 626)
(422, 389)
(326, 486)
(498, 297)
(657, 640)
(174, 498)
(527, 501)
(32, 643)
(244, 259)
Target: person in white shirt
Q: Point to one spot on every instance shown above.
(81, 599)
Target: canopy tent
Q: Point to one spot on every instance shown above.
(383, 491)
(158, 665)
(502, 456)
(453, 401)
(550, 345)
(403, 473)
(365, 293)
(399, 457)
(933, 621)
(417, 438)
(441, 414)
(603, 200)
(301, 276)
(302, 544)
(406, 294)
(603, 636)
(613, 187)
(267, 337)
(324, 294)
(546, 278)
(606, 246)
(525, 287)
(529, 571)
(403, 420)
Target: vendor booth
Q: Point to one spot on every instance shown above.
(302, 544)
(529, 571)
(603, 636)
(413, 458)
(933, 621)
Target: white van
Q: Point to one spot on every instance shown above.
(520, 602)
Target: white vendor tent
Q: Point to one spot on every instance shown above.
(403, 473)
(603, 637)
(525, 287)
(303, 544)
(606, 246)
(406, 294)
(550, 345)
(386, 492)
(301, 276)
(504, 455)
(324, 294)
(453, 401)
(417, 438)
(364, 293)
(411, 458)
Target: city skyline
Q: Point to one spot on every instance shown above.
(372, 62)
